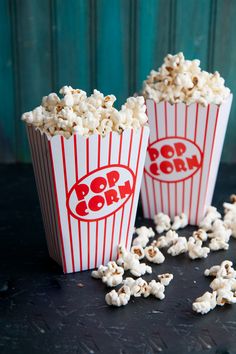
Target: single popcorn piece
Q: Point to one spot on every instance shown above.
(139, 251)
(165, 279)
(220, 231)
(162, 222)
(195, 249)
(205, 303)
(180, 221)
(118, 298)
(140, 288)
(100, 272)
(225, 296)
(212, 272)
(201, 235)
(211, 215)
(179, 246)
(144, 233)
(217, 244)
(181, 80)
(75, 113)
(220, 283)
(224, 270)
(157, 289)
(167, 240)
(154, 255)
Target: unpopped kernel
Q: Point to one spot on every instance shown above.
(75, 113)
(180, 80)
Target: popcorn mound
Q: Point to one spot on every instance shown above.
(77, 113)
(180, 80)
(213, 229)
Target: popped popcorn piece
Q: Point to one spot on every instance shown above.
(224, 270)
(220, 283)
(200, 234)
(211, 215)
(179, 246)
(140, 288)
(217, 244)
(180, 221)
(195, 249)
(166, 278)
(138, 250)
(139, 269)
(144, 233)
(205, 303)
(220, 231)
(111, 274)
(118, 298)
(225, 296)
(75, 113)
(212, 272)
(167, 240)
(154, 255)
(180, 80)
(157, 289)
(162, 222)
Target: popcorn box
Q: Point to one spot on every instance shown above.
(183, 157)
(88, 190)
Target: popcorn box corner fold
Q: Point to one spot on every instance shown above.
(183, 157)
(88, 191)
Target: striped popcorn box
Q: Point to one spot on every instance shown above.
(183, 157)
(88, 190)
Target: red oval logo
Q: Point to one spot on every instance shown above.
(173, 159)
(101, 192)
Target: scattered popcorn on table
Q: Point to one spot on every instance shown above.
(200, 235)
(157, 289)
(167, 240)
(211, 215)
(162, 222)
(180, 222)
(76, 113)
(205, 303)
(140, 288)
(165, 279)
(144, 233)
(154, 255)
(179, 246)
(217, 244)
(180, 80)
(118, 298)
(195, 249)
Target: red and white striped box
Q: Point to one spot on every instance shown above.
(183, 157)
(88, 190)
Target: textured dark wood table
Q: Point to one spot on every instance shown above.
(43, 311)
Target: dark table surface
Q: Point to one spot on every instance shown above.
(44, 311)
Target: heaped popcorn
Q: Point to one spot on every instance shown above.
(180, 222)
(167, 240)
(75, 113)
(180, 80)
(162, 222)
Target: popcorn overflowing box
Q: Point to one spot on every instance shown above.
(88, 186)
(188, 111)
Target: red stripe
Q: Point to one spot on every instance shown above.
(112, 239)
(96, 247)
(161, 192)
(109, 154)
(87, 155)
(147, 194)
(154, 194)
(176, 112)
(191, 188)
(80, 246)
(99, 149)
(176, 212)
(165, 108)
(66, 191)
(168, 192)
(131, 140)
(88, 242)
(131, 209)
(212, 148)
(120, 148)
(104, 241)
(58, 212)
(186, 121)
(200, 183)
(76, 158)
